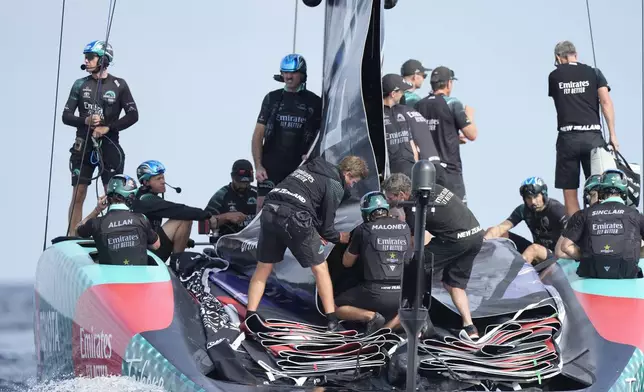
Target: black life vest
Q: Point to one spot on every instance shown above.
(611, 245)
(386, 245)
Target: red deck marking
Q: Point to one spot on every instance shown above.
(106, 318)
(616, 319)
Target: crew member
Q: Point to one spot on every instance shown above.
(591, 190)
(415, 73)
(122, 237)
(407, 131)
(457, 238)
(606, 237)
(234, 205)
(545, 217)
(577, 91)
(99, 98)
(451, 124)
(287, 126)
(299, 215)
(175, 233)
(383, 244)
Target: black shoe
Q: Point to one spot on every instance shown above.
(375, 323)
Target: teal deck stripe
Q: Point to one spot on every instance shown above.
(624, 288)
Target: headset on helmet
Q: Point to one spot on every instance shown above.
(292, 63)
(592, 184)
(533, 186)
(149, 169)
(100, 49)
(613, 181)
(371, 202)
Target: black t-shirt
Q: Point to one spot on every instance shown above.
(546, 226)
(399, 137)
(227, 199)
(383, 245)
(573, 87)
(113, 97)
(451, 220)
(292, 121)
(122, 237)
(607, 231)
(445, 117)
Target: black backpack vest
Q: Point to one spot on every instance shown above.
(386, 245)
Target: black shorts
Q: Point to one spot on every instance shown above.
(454, 182)
(574, 148)
(381, 298)
(455, 259)
(282, 227)
(166, 247)
(111, 162)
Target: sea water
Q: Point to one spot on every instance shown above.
(18, 358)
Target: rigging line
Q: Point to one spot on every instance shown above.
(53, 132)
(110, 16)
(592, 43)
(295, 27)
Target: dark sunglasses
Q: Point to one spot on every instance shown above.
(90, 56)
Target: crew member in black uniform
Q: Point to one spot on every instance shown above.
(122, 237)
(383, 244)
(451, 124)
(287, 126)
(457, 237)
(234, 205)
(606, 237)
(577, 91)
(99, 98)
(299, 214)
(175, 233)
(545, 217)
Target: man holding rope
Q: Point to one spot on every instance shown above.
(99, 98)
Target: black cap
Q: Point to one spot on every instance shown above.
(412, 67)
(393, 82)
(442, 74)
(242, 171)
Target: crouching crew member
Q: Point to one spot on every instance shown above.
(122, 237)
(383, 244)
(606, 237)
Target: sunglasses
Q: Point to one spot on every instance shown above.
(90, 56)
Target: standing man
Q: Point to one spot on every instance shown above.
(287, 126)
(234, 206)
(299, 215)
(447, 118)
(577, 91)
(407, 131)
(100, 98)
(457, 239)
(415, 73)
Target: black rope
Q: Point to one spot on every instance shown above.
(53, 132)
(103, 61)
(295, 27)
(592, 43)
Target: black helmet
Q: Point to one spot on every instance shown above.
(533, 186)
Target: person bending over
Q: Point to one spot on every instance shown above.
(299, 214)
(174, 234)
(122, 237)
(383, 244)
(545, 217)
(606, 237)
(457, 238)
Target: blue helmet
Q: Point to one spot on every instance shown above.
(533, 186)
(373, 201)
(149, 169)
(293, 63)
(100, 49)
